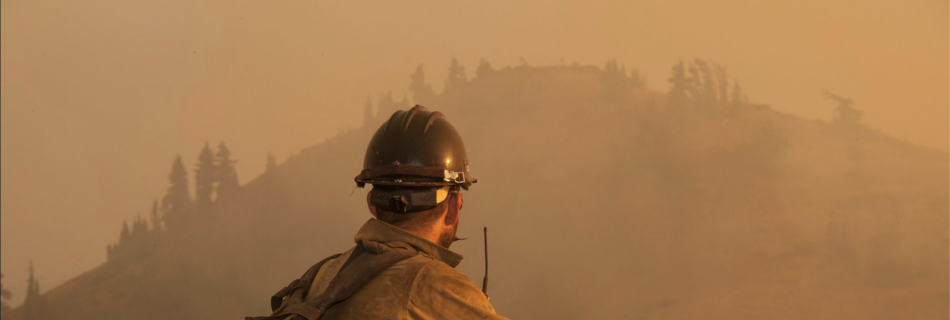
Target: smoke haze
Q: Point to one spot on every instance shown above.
(99, 97)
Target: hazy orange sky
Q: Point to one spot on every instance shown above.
(98, 96)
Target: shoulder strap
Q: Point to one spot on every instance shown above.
(300, 284)
(357, 272)
(278, 299)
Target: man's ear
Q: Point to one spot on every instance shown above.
(372, 208)
(452, 212)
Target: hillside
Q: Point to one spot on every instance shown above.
(604, 200)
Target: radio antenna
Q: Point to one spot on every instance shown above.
(485, 281)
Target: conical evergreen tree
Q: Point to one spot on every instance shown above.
(614, 79)
(722, 83)
(139, 227)
(124, 235)
(226, 175)
(177, 205)
(706, 87)
(456, 76)
(33, 304)
(204, 180)
(484, 68)
(156, 218)
(678, 86)
(737, 98)
(422, 92)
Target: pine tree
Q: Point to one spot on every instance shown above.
(138, 238)
(484, 68)
(368, 115)
(844, 114)
(708, 94)
(177, 205)
(33, 304)
(614, 81)
(156, 218)
(456, 76)
(5, 296)
(124, 236)
(694, 85)
(226, 175)
(139, 227)
(722, 80)
(204, 180)
(678, 86)
(422, 92)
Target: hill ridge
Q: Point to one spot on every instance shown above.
(685, 182)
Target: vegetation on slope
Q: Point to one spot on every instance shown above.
(605, 199)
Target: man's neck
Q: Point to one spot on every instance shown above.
(431, 233)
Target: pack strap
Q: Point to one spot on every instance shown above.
(358, 271)
(300, 284)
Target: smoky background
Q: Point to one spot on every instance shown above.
(610, 188)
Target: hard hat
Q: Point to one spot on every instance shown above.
(414, 160)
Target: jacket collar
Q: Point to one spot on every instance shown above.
(377, 230)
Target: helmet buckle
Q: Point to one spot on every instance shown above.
(452, 176)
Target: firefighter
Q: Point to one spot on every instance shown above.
(401, 266)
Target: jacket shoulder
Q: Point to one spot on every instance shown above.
(442, 292)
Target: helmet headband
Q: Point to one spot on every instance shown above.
(405, 200)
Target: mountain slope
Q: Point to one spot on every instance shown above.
(605, 200)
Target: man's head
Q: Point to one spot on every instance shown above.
(440, 222)
(417, 165)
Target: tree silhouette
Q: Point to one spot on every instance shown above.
(705, 86)
(33, 304)
(139, 230)
(204, 180)
(456, 77)
(616, 84)
(386, 104)
(125, 235)
(694, 84)
(5, 296)
(176, 205)
(737, 97)
(110, 252)
(226, 176)
(678, 96)
(139, 227)
(484, 68)
(422, 92)
(368, 115)
(844, 113)
(156, 218)
(721, 77)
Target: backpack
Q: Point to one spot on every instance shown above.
(368, 259)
